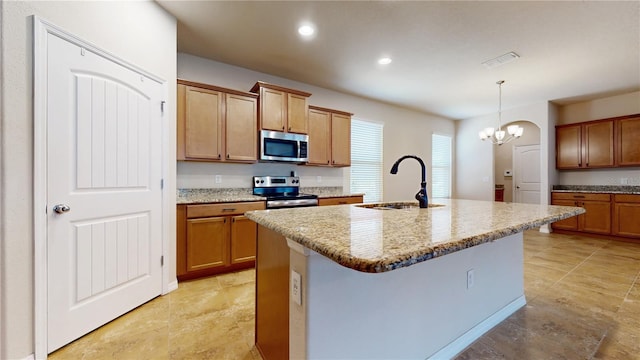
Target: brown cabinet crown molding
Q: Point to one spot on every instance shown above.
(262, 84)
(216, 88)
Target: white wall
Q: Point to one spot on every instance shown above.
(620, 105)
(138, 32)
(475, 158)
(405, 132)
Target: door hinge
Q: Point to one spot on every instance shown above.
(162, 260)
(162, 106)
(161, 184)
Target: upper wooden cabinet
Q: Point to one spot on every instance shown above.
(588, 145)
(599, 144)
(628, 133)
(282, 109)
(216, 124)
(329, 137)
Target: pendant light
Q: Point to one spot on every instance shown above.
(497, 137)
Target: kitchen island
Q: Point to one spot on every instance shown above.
(362, 282)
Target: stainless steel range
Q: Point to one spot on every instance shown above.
(282, 192)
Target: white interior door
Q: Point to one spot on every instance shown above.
(526, 176)
(104, 175)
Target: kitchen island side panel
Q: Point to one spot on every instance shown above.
(409, 313)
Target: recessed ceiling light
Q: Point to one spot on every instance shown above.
(384, 61)
(306, 30)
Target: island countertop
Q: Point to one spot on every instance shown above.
(371, 240)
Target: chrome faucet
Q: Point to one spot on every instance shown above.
(421, 196)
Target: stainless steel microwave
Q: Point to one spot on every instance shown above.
(281, 146)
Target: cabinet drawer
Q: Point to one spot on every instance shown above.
(340, 200)
(626, 198)
(208, 210)
(580, 196)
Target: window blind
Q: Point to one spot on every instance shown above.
(440, 166)
(366, 159)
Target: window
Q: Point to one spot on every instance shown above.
(440, 166)
(366, 159)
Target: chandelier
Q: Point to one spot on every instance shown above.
(497, 137)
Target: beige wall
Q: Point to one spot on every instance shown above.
(503, 156)
(625, 104)
(405, 132)
(138, 32)
(620, 105)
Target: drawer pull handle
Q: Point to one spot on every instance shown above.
(229, 209)
(578, 196)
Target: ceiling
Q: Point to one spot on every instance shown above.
(570, 51)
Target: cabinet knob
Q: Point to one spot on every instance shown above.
(282, 128)
(219, 156)
(328, 162)
(289, 128)
(227, 156)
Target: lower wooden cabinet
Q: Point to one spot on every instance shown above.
(215, 238)
(596, 220)
(340, 200)
(616, 215)
(626, 215)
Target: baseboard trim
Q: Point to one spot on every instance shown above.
(30, 357)
(466, 339)
(171, 286)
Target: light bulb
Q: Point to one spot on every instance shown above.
(512, 129)
(500, 135)
(489, 131)
(482, 135)
(519, 132)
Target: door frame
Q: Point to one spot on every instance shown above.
(41, 30)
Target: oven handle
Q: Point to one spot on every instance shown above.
(276, 204)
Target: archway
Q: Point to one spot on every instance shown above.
(503, 157)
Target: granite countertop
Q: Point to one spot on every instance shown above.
(598, 189)
(218, 195)
(374, 241)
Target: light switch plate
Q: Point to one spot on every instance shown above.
(296, 287)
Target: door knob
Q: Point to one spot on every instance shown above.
(517, 187)
(61, 208)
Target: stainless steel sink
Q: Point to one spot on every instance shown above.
(395, 206)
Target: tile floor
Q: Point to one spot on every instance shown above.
(583, 302)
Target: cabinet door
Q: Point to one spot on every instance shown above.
(340, 140)
(272, 109)
(598, 144)
(203, 124)
(569, 223)
(568, 147)
(243, 239)
(207, 243)
(297, 114)
(597, 219)
(626, 215)
(628, 142)
(319, 137)
(241, 125)
(625, 219)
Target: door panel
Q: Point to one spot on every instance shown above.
(527, 174)
(104, 146)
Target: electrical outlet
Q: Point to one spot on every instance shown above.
(624, 181)
(218, 179)
(471, 278)
(296, 287)
(319, 179)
